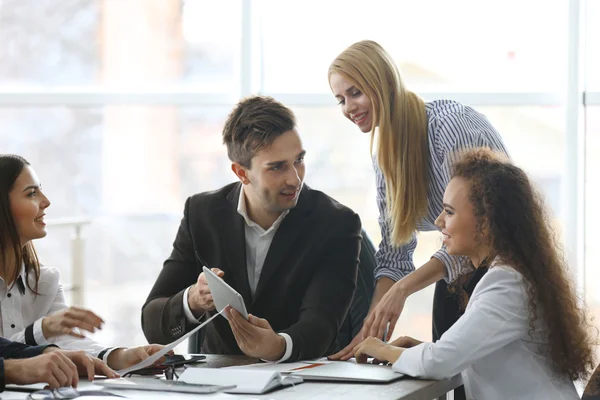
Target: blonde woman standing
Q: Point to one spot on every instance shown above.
(413, 144)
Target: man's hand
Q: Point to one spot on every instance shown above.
(124, 358)
(255, 337)
(53, 368)
(87, 365)
(64, 321)
(199, 297)
(381, 352)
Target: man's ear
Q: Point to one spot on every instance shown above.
(241, 172)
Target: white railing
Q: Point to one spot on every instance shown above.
(77, 255)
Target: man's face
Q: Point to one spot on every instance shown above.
(276, 175)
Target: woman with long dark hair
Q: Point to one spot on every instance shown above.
(523, 334)
(34, 310)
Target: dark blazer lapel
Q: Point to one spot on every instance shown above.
(231, 225)
(291, 227)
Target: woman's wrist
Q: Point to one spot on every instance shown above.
(403, 288)
(45, 331)
(393, 353)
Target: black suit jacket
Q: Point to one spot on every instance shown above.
(305, 287)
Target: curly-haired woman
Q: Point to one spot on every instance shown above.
(523, 334)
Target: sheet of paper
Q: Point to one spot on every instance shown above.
(322, 360)
(156, 356)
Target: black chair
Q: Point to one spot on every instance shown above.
(365, 286)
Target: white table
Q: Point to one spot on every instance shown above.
(404, 389)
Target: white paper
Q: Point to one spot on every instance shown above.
(156, 356)
(322, 360)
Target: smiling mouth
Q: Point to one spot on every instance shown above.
(39, 219)
(360, 118)
(293, 194)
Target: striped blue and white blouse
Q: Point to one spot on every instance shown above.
(451, 127)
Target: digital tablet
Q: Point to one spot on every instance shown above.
(159, 385)
(223, 294)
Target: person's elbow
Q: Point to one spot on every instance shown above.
(152, 322)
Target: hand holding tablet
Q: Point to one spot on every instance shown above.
(223, 294)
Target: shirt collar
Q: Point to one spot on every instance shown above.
(19, 282)
(21, 285)
(243, 211)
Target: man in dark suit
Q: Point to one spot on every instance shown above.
(290, 251)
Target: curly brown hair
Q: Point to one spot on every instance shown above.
(517, 228)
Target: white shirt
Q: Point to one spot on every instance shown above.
(20, 308)
(258, 242)
(491, 347)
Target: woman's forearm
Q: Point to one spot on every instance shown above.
(430, 272)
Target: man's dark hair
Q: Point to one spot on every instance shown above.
(255, 123)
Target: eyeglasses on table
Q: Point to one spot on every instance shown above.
(67, 393)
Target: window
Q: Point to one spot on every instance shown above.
(460, 45)
(126, 43)
(592, 214)
(592, 43)
(119, 105)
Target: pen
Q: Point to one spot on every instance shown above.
(202, 262)
(385, 332)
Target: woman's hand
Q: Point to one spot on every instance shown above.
(406, 342)
(124, 358)
(86, 364)
(54, 369)
(381, 352)
(387, 311)
(64, 321)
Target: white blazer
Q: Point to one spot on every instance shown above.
(22, 311)
(491, 347)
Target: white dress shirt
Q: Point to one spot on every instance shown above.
(491, 347)
(258, 242)
(22, 311)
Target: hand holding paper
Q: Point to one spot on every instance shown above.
(158, 355)
(123, 358)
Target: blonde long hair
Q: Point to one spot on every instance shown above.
(402, 148)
